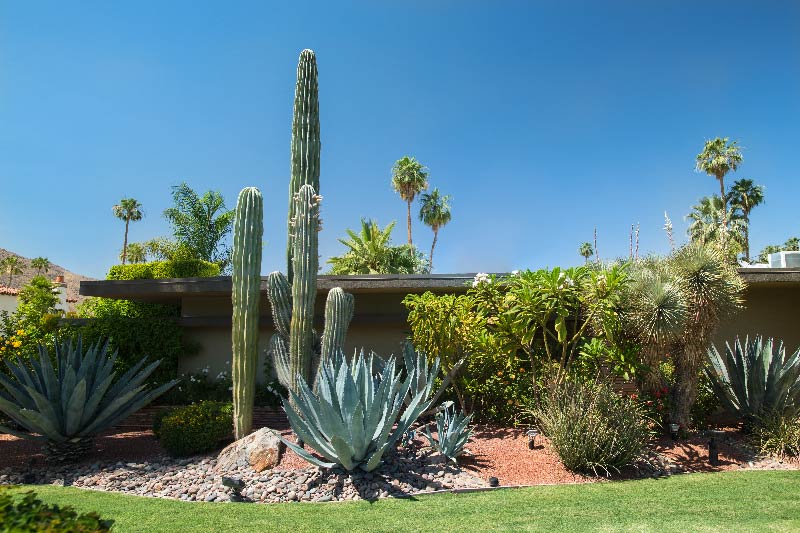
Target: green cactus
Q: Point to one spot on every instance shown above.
(246, 278)
(305, 139)
(338, 313)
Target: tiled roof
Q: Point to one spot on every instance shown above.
(8, 291)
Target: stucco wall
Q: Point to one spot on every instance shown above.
(772, 310)
(8, 303)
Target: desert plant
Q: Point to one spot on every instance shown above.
(67, 399)
(778, 435)
(756, 378)
(371, 252)
(11, 265)
(435, 213)
(592, 428)
(350, 419)
(246, 297)
(29, 514)
(40, 264)
(452, 433)
(720, 156)
(195, 428)
(409, 178)
(744, 196)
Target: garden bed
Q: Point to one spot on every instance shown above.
(134, 462)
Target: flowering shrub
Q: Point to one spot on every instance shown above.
(201, 386)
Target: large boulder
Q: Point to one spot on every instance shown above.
(259, 450)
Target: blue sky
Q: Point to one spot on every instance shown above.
(541, 119)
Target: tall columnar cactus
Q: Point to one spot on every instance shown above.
(338, 313)
(247, 236)
(305, 139)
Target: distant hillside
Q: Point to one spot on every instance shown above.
(70, 278)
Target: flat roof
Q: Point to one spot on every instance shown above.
(171, 290)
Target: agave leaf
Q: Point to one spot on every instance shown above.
(375, 459)
(74, 409)
(21, 434)
(41, 424)
(344, 452)
(96, 396)
(18, 393)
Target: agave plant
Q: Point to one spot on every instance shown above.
(453, 432)
(756, 378)
(349, 419)
(67, 399)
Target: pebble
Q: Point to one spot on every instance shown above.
(403, 473)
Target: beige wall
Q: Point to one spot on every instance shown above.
(772, 310)
(8, 303)
(379, 324)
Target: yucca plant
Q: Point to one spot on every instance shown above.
(452, 432)
(756, 378)
(349, 419)
(67, 399)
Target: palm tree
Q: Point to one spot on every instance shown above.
(11, 265)
(435, 213)
(40, 264)
(371, 252)
(706, 222)
(136, 253)
(128, 210)
(719, 156)
(744, 196)
(409, 178)
(586, 251)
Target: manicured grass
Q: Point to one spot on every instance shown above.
(732, 501)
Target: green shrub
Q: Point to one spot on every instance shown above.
(178, 268)
(29, 514)
(592, 428)
(195, 428)
(778, 435)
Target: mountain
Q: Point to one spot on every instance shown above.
(70, 278)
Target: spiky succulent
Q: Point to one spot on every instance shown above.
(452, 433)
(350, 418)
(756, 378)
(67, 399)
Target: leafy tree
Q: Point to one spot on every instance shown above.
(409, 178)
(37, 298)
(586, 251)
(201, 223)
(792, 244)
(370, 252)
(40, 264)
(136, 253)
(707, 220)
(129, 210)
(435, 213)
(744, 196)
(11, 265)
(720, 156)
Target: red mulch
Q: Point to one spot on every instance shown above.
(493, 451)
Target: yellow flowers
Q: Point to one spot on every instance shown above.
(499, 372)
(16, 344)
(20, 332)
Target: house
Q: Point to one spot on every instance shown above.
(8, 299)
(772, 308)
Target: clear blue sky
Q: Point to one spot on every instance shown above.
(541, 119)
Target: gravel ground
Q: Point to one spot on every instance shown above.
(134, 463)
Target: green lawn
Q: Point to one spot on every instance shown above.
(733, 501)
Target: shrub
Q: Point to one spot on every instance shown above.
(452, 432)
(178, 268)
(591, 428)
(29, 514)
(195, 428)
(778, 435)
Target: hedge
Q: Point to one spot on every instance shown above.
(185, 268)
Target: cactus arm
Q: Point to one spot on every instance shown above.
(304, 286)
(279, 293)
(246, 281)
(280, 357)
(305, 140)
(338, 313)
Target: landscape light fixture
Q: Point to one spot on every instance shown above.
(673, 430)
(532, 434)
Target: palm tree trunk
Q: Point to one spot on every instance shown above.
(747, 237)
(724, 206)
(409, 223)
(125, 242)
(433, 245)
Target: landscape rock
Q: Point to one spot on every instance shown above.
(261, 450)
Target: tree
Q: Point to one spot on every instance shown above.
(37, 298)
(792, 244)
(40, 264)
(129, 210)
(435, 213)
(409, 178)
(136, 253)
(707, 220)
(586, 251)
(370, 252)
(720, 156)
(11, 265)
(744, 196)
(201, 222)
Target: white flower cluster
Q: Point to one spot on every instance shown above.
(222, 375)
(481, 277)
(515, 272)
(565, 281)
